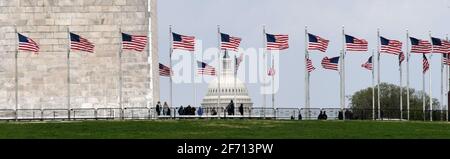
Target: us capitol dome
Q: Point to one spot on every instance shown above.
(231, 88)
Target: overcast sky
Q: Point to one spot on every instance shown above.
(361, 18)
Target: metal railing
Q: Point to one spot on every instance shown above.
(140, 113)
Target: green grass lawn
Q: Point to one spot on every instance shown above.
(225, 129)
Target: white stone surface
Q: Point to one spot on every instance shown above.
(94, 77)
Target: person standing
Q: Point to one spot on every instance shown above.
(181, 111)
(158, 108)
(230, 108)
(165, 109)
(241, 109)
(200, 111)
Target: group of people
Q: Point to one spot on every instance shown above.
(348, 115)
(165, 109)
(190, 110)
(231, 108)
(323, 115)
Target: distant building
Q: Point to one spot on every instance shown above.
(231, 88)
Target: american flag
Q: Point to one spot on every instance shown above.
(447, 44)
(369, 64)
(27, 44)
(271, 72)
(183, 42)
(331, 64)
(420, 46)
(390, 46)
(440, 46)
(238, 62)
(165, 71)
(205, 69)
(354, 44)
(277, 42)
(134, 42)
(317, 43)
(426, 64)
(401, 57)
(230, 43)
(446, 59)
(309, 65)
(80, 44)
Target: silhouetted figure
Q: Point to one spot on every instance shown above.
(200, 111)
(324, 115)
(230, 108)
(192, 111)
(187, 110)
(213, 111)
(320, 117)
(158, 108)
(340, 115)
(241, 109)
(300, 116)
(181, 111)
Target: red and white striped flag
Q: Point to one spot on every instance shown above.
(238, 62)
(369, 64)
(331, 63)
(230, 43)
(440, 46)
(277, 42)
(205, 69)
(317, 43)
(401, 57)
(27, 44)
(420, 46)
(446, 59)
(80, 44)
(355, 44)
(165, 71)
(134, 42)
(390, 46)
(309, 65)
(183, 42)
(426, 64)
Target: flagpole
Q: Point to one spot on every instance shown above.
(407, 72)
(235, 78)
(68, 73)
(193, 59)
(429, 82)
(307, 74)
(170, 63)
(265, 69)
(16, 78)
(373, 85)
(424, 92)
(447, 80)
(342, 72)
(378, 70)
(401, 88)
(273, 83)
(121, 78)
(219, 69)
(442, 85)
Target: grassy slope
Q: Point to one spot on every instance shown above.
(224, 129)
